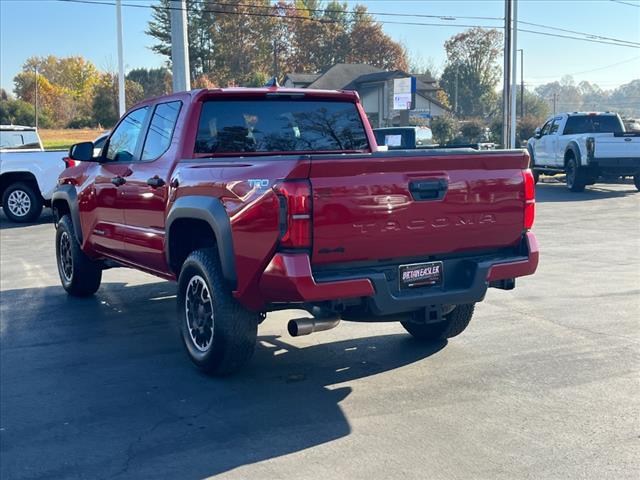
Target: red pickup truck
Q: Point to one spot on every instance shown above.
(257, 200)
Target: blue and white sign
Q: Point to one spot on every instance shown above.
(404, 90)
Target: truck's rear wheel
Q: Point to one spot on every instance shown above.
(454, 324)
(80, 276)
(218, 333)
(576, 178)
(532, 164)
(22, 202)
(636, 181)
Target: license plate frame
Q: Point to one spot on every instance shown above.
(427, 274)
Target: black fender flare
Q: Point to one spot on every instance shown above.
(67, 193)
(212, 211)
(575, 148)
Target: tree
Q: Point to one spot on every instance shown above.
(472, 131)
(444, 129)
(231, 42)
(154, 81)
(472, 71)
(19, 112)
(105, 100)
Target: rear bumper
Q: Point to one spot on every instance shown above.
(631, 164)
(290, 279)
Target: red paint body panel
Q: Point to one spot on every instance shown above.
(362, 208)
(288, 278)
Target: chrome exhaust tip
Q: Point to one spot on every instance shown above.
(306, 326)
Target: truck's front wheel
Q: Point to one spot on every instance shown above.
(454, 324)
(218, 333)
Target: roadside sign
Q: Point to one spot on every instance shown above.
(404, 92)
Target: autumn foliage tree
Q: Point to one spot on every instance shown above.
(472, 73)
(232, 42)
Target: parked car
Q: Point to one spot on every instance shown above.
(257, 200)
(396, 138)
(586, 147)
(28, 174)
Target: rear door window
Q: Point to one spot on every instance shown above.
(279, 125)
(160, 130)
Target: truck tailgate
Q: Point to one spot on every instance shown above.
(617, 146)
(408, 204)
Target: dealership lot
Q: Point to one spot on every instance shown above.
(543, 384)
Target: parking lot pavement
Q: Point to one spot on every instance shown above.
(543, 384)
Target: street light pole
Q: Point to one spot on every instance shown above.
(36, 94)
(179, 46)
(521, 83)
(506, 97)
(514, 75)
(122, 105)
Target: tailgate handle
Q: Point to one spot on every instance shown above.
(432, 189)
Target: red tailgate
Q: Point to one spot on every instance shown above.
(415, 204)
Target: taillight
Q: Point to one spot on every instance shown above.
(529, 199)
(68, 162)
(294, 198)
(591, 146)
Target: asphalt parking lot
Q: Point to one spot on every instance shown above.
(545, 383)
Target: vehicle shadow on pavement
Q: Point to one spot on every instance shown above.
(558, 192)
(100, 387)
(46, 217)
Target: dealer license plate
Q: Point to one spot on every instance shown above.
(420, 274)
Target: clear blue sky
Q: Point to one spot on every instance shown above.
(43, 27)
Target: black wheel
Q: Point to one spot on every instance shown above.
(80, 276)
(536, 177)
(218, 333)
(636, 181)
(454, 324)
(22, 202)
(576, 180)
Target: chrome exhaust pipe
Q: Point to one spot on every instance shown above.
(306, 326)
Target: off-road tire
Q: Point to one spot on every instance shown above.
(85, 275)
(235, 328)
(636, 181)
(576, 177)
(454, 324)
(21, 191)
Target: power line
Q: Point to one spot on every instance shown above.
(589, 35)
(385, 22)
(594, 69)
(626, 3)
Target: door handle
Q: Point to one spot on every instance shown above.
(430, 189)
(117, 181)
(155, 182)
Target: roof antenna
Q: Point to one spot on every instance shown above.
(273, 82)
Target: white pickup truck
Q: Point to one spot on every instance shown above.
(586, 147)
(28, 174)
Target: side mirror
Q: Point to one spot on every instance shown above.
(82, 152)
(537, 133)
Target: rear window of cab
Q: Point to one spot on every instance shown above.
(284, 125)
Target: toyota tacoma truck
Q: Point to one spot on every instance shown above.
(256, 200)
(586, 147)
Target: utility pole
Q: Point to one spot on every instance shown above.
(521, 83)
(36, 94)
(275, 58)
(122, 104)
(514, 75)
(179, 46)
(506, 97)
